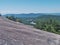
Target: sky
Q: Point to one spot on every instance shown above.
(29, 6)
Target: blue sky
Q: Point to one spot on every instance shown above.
(29, 6)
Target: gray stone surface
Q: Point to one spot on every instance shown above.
(12, 33)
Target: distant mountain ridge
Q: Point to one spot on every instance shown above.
(24, 15)
(34, 15)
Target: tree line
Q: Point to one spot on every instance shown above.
(14, 19)
(50, 25)
(43, 23)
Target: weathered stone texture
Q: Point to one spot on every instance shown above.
(12, 33)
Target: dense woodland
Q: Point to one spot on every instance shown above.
(50, 23)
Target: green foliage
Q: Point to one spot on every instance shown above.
(50, 25)
(18, 20)
(11, 17)
(14, 19)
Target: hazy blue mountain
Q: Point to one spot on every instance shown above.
(31, 15)
(25, 15)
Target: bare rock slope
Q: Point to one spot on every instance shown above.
(12, 33)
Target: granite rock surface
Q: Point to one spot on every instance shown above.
(13, 33)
